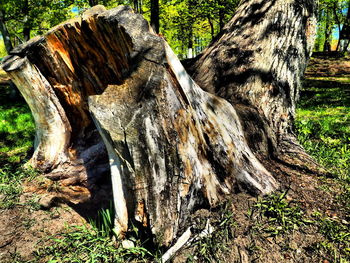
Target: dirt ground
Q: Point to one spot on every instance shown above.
(24, 228)
(325, 66)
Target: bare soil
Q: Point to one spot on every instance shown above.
(41, 213)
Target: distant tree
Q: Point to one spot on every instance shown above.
(93, 2)
(344, 32)
(21, 19)
(332, 16)
(4, 32)
(189, 25)
(155, 15)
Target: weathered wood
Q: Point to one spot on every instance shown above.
(56, 73)
(52, 126)
(173, 146)
(113, 86)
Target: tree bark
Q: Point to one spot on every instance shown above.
(256, 63)
(172, 147)
(55, 75)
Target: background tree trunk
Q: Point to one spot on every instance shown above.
(327, 33)
(155, 15)
(344, 34)
(172, 147)
(93, 2)
(4, 32)
(27, 27)
(14, 95)
(335, 9)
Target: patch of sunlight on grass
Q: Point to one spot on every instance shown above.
(345, 80)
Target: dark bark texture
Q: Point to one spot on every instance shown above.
(256, 63)
(105, 83)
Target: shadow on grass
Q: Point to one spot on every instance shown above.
(324, 93)
(323, 123)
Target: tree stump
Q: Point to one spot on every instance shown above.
(105, 83)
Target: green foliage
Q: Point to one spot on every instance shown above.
(3, 52)
(36, 16)
(185, 24)
(104, 222)
(332, 15)
(192, 23)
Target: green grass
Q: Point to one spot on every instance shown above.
(17, 131)
(3, 52)
(323, 128)
(86, 244)
(323, 123)
(16, 140)
(11, 185)
(336, 244)
(91, 243)
(208, 249)
(325, 134)
(276, 215)
(104, 222)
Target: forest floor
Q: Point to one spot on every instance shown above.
(308, 221)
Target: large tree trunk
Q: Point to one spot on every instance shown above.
(172, 147)
(256, 63)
